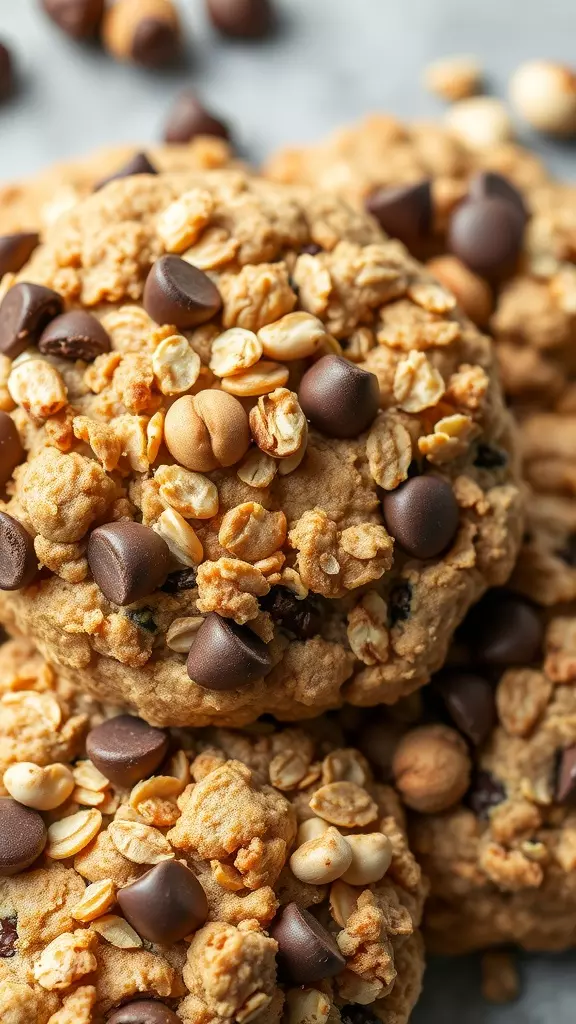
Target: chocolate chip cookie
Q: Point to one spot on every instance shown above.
(149, 877)
(215, 513)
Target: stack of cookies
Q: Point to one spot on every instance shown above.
(259, 477)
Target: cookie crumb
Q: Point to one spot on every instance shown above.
(500, 978)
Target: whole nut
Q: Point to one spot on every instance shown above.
(431, 767)
(41, 788)
(312, 828)
(544, 94)
(474, 294)
(323, 859)
(454, 78)
(207, 430)
(480, 122)
(371, 857)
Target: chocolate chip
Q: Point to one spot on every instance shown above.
(487, 235)
(155, 42)
(25, 311)
(297, 617)
(399, 602)
(485, 793)
(338, 397)
(422, 515)
(241, 19)
(188, 117)
(128, 561)
(15, 250)
(165, 904)
(78, 18)
(504, 630)
(403, 211)
(23, 836)
(137, 164)
(178, 293)
(182, 579)
(143, 618)
(76, 335)
(489, 183)
(488, 456)
(469, 700)
(126, 749)
(566, 778)
(306, 951)
(8, 937)
(11, 450)
(225, 656)
(144, 1011)
(18, 562)
(7, 74)
(354, 1013)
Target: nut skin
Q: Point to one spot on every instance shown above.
(206, 431)
(431, 767)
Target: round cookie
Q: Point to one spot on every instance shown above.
(248, 837)
(330, 547)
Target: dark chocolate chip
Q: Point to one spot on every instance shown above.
(188, 118)
(566, 778)
(25, 311)
(490, 183)
(78, 18)
(469, 700)
(306, 951)
(18, 562)
(311, 249)
(504, 630)
(23, 836)
(488, 456)
(75, 335)
(143, 618)
(144, 1011)
(15, 250)
(355, 1013)
(155, 42)
(8, 937)
(403, 211)
(297, 617)
(182, 579)
(487, 235)
(165, 904)
(339, 398)
(485, 793)
(178, 293)
(568, 550)
(11, 450)
(399, 602)
(126, 749)
(128, 561)
(137, 164)
(7, 73)
(241, 19)
(225, 656)
(422, 515)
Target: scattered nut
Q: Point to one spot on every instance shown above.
(343, 901)
(481, 122)
(544, 94)
(252, 533)
(176, 365)
(258, 380)
(344, 804)
(193, 495)
(141, 844)
(181, 223)
(257, 469)
(70, 835)
(41, 788)
(235, 351)
(295, 336)
(312, 828)
(454, 78)
(181, 633)
(307, 1006)
(117, 932)
(371, 858)
(87, 775)
(322, 860)
(97, 900)
(181, 538)
(474, 294)
(38, 387)
(207, 430)
(431, 766)
(278, 424)
(418, 384)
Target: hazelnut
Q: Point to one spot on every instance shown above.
(474, 295)
(431, 768)
(146, 32)
(544, 94)
(206, 431)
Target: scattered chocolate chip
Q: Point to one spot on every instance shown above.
(311, 249)
(11, 450)
(399, 602)
(566, 778)
(165, 904)
(338, 397)
(487, 235)
(469, 700)
(488, 456)
(126, 749)
(143, 618)
(18, 562)
(225, 656)
(178, 293)
(155, 42)
(182, 579)
(137, 164)
(306, 951)
(241, 19)
(144, 1011)
(7, 75)
(297, 617)
(128, 561)
(8, 937)
(490, 183)
(23, 836)
(422, 515)
(504, 630)
(568, 551)
(403, 211)
(25, 311)
(355, 1013)
(188, 117)
(76, 335)
(485, 793)
(15, 250)
(78, 18)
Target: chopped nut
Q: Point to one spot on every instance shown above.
(345, 765)
(260, 379)
(367, 630)
(474, 294)
(389, 451)
(344, 804)
(227, 876)
(139, 843)
(66, 959)
(41, 788)
(191, 494)
(288, 769)
(417, 384)
(181, 633)
(214, 249)
(181, 223)
(307, 1006)
(87, 797)
(176, 365)
(250, 532)
(97, 900)
(41, 705)
(70, 835)
(295, 336)
(117, 932)
(257, 469)
(154, 435)
(278, 424)
(454, 78)
(343, 902)
(235, 351)
(154, 800)
(38, 387)
(451, 438)
(182, 540)
(87, 775)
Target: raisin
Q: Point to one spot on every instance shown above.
(182, 579)
(311, 249)
(485, 793)
(8, 937)
(300, 618)
(354, 1013)
(143, 618)
(399, 602)
(490, 457)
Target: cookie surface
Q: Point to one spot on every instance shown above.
(253, 906)
(234, 468)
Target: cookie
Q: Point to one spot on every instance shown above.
(227, 523)
(287, 884)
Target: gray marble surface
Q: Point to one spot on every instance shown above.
(333, 61)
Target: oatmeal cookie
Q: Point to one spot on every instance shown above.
(230, 517)
(288, 889)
